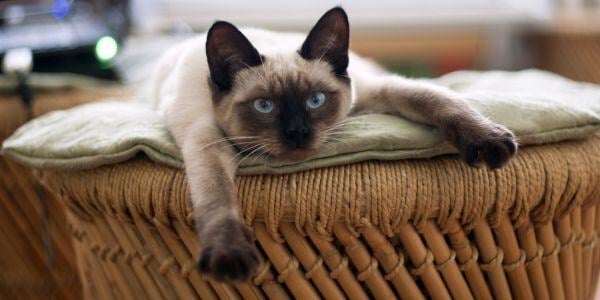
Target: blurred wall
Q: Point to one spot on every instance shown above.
(417, 38)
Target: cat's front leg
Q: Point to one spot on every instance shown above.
(477, 138)
(228, 253)
(227, 246)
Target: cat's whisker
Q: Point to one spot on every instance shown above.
(342, 131)
(327, 146)
(256, 142)
(345, 132)
(247, 146)
(244, 145)
(346, 122)
(241, 152)
(221, 147)
(263, 153)
(334, 129)
(263, 146)
(349, 127)
(226, 139)
(338, 141)
(205, 147)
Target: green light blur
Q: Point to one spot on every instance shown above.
(106, 48)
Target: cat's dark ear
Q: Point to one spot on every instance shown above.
(328, 40)
(228, 51)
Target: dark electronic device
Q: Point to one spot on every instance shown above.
(65, 36)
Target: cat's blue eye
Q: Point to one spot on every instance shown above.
(315, 100)
(263, 105)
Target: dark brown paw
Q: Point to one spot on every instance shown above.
(232, 258)
(493, 145)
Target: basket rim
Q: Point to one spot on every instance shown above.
(541, 183)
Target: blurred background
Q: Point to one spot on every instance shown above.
(118, 39)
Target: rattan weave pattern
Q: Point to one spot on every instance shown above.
(412, 229)
(24, 269)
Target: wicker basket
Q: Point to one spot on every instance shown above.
(412, 229)
(36, 255)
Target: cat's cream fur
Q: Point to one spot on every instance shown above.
(183, 92)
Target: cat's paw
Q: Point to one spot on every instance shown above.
(232, 259)
(488, 143)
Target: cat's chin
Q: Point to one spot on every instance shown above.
(295, 155)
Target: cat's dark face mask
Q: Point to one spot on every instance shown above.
(284, 106)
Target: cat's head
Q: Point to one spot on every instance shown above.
(282, 105)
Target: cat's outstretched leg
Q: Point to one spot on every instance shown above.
(227, 248)
(477, 138)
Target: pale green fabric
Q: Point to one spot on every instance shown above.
(538, 106)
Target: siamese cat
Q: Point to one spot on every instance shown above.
(231, 92)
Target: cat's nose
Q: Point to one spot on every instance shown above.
(298, 135)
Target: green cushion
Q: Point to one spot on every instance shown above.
(539, 107)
